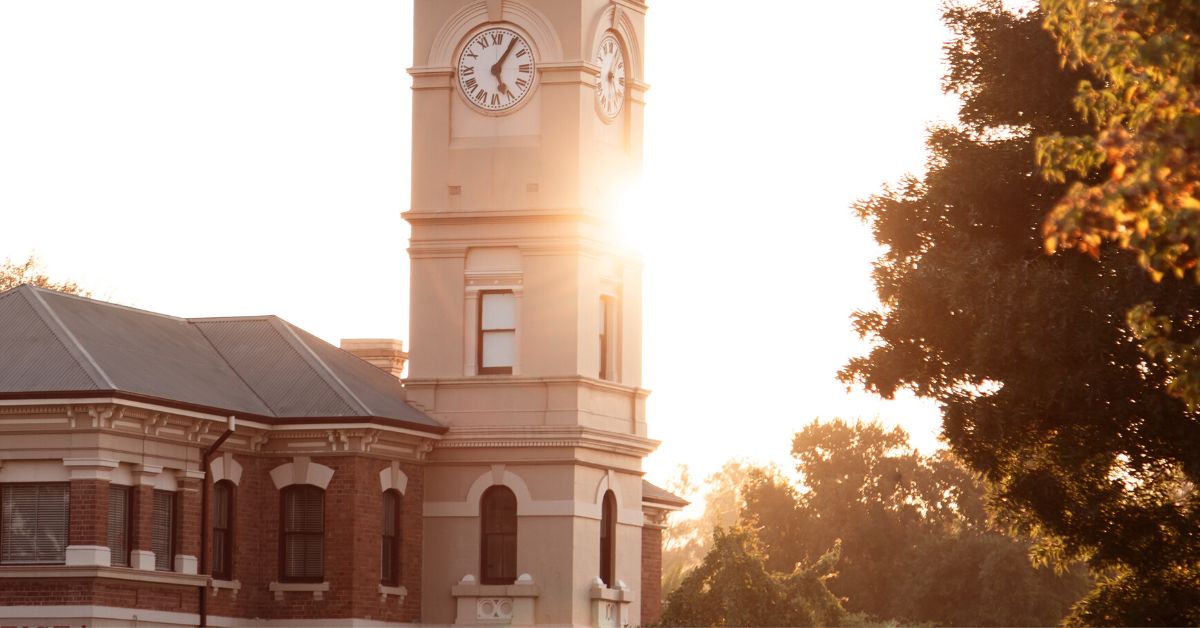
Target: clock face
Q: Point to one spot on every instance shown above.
(495, 70)
(610, 84)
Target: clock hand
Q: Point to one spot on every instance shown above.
(496, 67)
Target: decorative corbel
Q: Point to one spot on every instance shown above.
(258, 441)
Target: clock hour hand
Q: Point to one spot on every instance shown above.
(496, 67)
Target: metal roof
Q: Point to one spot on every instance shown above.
(261, 365)
(652, 493)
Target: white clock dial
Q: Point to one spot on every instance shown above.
(495, 69)
(610, 84)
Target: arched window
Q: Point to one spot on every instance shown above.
(222, 530)
(608, 539)
(498, 555)
(390, 546)
(302, 534)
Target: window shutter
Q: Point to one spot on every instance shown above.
(33, 518)
(162, 529)
(222, 534)
(118, 525)
(389, 548)
(304, 533)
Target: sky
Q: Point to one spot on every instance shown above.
(243, 157)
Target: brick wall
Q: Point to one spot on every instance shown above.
(87, 512)
(353, 528)
(651, 574)
(97, 591)
(187, 517)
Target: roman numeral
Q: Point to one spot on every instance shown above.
(483, 42)
(522, 52)
(522, 83)
(481, 96)
(497, 38)
(495, 100)
(525, 68)
(466, 70)
(468, 53)
(470, 85)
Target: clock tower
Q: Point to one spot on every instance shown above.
(526, 310)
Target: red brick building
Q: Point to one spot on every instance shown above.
(161, 471)
(314, 484)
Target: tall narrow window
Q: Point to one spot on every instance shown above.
(118, 525)
(497, 333)
(162, 530)
(222, 530)
(390, 548)
(303, 533)
(33, 523)
(499, 544)
(607, 339)
(608, 539)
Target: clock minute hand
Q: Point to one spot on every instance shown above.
(496, 67)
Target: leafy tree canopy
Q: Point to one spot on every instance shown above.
(13, 274)
(733, 587)
(1043, 387)
(915, 542)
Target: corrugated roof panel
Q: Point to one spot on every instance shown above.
(273, 368)
(151, 354)
(653, 493)
(255, 365)
(380, 392)
(32, 358)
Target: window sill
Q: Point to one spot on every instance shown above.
(611, 595)
(116, 573)
(318, 589)
(231, 585)
(385, 591)
(488, 604)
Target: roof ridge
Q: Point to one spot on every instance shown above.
(70, 343)
(228, 319)
(324, 372)
(232, 368)
(102, 302)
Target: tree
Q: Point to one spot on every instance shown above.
(1043, 388)
(686, 539)
(915, 542)
(733, 587)
(13, 274)
(1146, 141)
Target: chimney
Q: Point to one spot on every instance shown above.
(385, 353)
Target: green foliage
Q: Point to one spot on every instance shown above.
(733, 587)
(915, 543)
(1044, 389)
(1145, 109)
(13, 274)
(686, 540)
